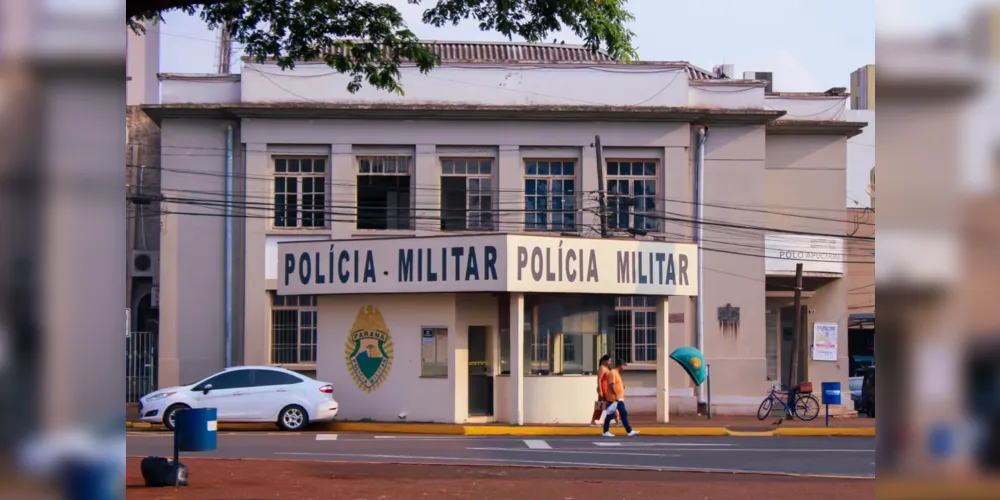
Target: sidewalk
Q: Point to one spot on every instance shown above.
(686, 425)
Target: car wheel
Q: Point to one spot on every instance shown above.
(170, 416)
(293, 418)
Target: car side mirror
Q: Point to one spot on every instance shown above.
(204, 390)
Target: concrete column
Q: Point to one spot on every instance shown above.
(510, 186)
(343, 193)
(426, 190)
(662, 359)
(516, 359)
(458, 369)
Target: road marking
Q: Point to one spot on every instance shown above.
(537, 444)
(600, 465)
(385, 437)
(577, 452)
(638, 444)
(326, 437)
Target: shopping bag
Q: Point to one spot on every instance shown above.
(611, 409)
(600, 405)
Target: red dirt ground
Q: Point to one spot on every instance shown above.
(301, 480)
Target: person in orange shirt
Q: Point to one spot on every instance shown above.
(616, 395)
(602, 388)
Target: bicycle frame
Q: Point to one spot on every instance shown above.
(781, 397)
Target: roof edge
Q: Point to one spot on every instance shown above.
(816, 127)
(449, 111)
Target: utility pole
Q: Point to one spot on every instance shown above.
(793, 367)
(601, 202)
(225, 50)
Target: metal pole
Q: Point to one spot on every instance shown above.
(699, 199)
(601, 203)
(793, 367)
(827, 414)
(177, 453)
(708, 380)
(229, 248)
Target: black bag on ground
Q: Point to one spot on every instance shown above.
(159, 472)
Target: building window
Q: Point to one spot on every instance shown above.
(434, 352)
(632, 195)
(299, 192)
(635, 329)
(383, 195)
(467, 194)
(550, 195)
(293, 329)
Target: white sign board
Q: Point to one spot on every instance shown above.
(818, 254)
(487, 263)
(271, 252)
(825, 342)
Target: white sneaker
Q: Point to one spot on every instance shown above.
(608, 435)
(594, 424)
(618, 423)
(633, 433)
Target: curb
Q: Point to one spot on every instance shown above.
(512, 430)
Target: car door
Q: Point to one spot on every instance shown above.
(272, 391)
(225, 392)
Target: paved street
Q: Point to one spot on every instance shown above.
(828, 456)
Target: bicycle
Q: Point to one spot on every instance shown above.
(806, 405)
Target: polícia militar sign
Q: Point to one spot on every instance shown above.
(487, 263)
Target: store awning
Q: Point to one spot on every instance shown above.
(861, 320)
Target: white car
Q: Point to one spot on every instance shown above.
(247, 394)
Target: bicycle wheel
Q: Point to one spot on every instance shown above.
(806, 407)
(765, 408)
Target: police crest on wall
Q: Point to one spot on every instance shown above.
(369, 349)
(729, 320)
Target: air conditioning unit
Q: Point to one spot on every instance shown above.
(724, 71)
(145, 263)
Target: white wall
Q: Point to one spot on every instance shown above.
(810, 107)
(860, 159)
(403, 390)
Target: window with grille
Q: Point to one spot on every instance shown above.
(632, 195)
(635, 329)
(293, 329)
(550, 195)
(467, 194)
(299, 192)
(383, 193)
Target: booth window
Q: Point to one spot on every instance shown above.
(632, 195)
(293, 329)
(383, 193)
(635, 329)
(434, 352)
(563, 334)
(550, 195)
(299, 187)
(467, 194)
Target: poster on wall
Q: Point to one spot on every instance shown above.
(824, 342)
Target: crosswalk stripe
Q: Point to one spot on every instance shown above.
(537, 444)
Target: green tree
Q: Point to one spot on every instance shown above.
(372, 36)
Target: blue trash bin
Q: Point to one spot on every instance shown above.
(831, 393)
(195, 429)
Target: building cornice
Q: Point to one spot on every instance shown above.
(445, 111)
(816, 127)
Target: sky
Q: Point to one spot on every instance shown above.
(808, 45)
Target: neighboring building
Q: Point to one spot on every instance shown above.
(142, 160)
(863, 88)
(493, 151)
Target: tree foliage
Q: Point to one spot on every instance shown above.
(372, 37)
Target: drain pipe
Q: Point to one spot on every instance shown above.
(229, 247)
(699, 200)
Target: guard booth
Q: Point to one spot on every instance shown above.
(482, 328)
